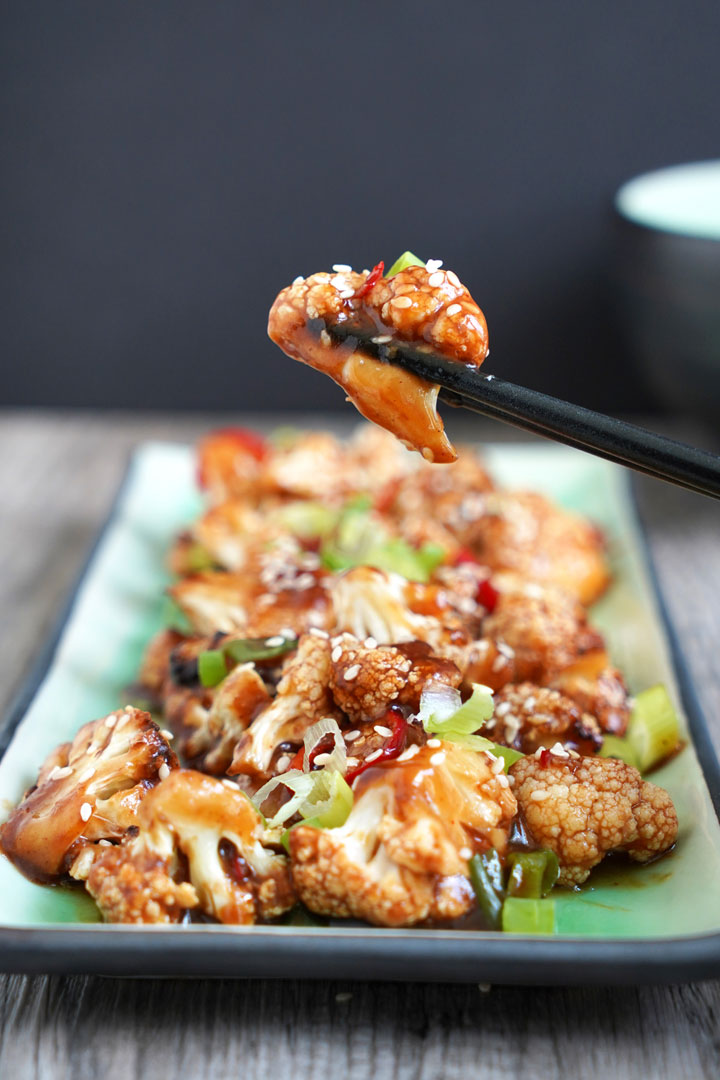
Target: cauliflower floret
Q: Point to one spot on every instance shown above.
(402, 855)
(366, 679)
(524, 532)
(528, 716)
(303, 697)
(598, 688)
(584, 808)
(88, 790)
(208, 826)
(545, 628)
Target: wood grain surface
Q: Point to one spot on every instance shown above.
(58, 474)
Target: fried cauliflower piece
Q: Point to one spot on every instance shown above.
(230, 463)
(88, 790)
(598, 688)
(402, 855)
(204, 829)
(545, 628)
(366, 679)
(527, 716)
(418, 306)
(584, 808)
(526, 533)
(303, 697)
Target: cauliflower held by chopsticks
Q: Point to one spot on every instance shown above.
(402, 855)
(88, 790)
(200, 844)
(584, 808)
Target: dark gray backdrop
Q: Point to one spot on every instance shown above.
(167, 166)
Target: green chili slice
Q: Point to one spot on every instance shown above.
(532, 873)
(486, 877)
(406, 259)
(245, 650)
(212, 667)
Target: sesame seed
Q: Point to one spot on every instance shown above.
(86, 775)
(58, 772)
(345, 294)
(432, 265)
(278, 639)
(341, 268)
(370, 643)
(503, 780)
(325, 338)
(529, 704)
(166, 734)
(298, 280)
(317, 632)
(498, 765)
(305, 581)
(539, 795)
(401, 302)
(85, 811)
(436, 279)
(352, 736)
(104, 843)
(559, 750)
(352, 673)
(498, 662)
(283, 762)
(120, 724)
(336, 654)
(503, 708)
(434, 743)
(374, 756)
(465, 853)
(437, 759)
(230, 785)
(506, 650)
(164, 771)
(382, 730)
(454, 309)
(382, 339)
(351, 762)
(409, 753)
(338, 282)
(453, 278)
(111, 722)
(322, 759)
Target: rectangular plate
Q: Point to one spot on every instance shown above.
(631, 925)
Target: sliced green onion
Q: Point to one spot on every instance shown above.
(360, 502)
(361, 540)
(615, 747)
(406, 259)
(198, 558)
(212, 667)
(528, 916)
(532, 873)
(246, 650)
(654, 729)
(307, 519)
(465, 720)
(486, 877)
(507, 753)
(329, 804)
(175, 618)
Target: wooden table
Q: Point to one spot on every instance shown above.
(58, 473)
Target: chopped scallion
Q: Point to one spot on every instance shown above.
(406, 259)
(528, 916)
(615, 747)
(469, 718)
(654, 729)
(532, 873)
(212, 667)
(486, 877)
(246, 650)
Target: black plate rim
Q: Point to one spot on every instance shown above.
(373, 954)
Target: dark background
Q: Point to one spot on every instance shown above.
(168, 166)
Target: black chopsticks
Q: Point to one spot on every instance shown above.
(616, 440)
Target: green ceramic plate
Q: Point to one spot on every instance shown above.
(628, 924)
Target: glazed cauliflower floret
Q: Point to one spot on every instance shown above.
(584, 808)
(527, 716)
(526, 533)
(303, 697)
(545, 627)
(402, 855)
(202, 828)
(88, 790)
(366, 678)
(230, 463)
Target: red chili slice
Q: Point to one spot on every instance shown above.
(465, 555)
(394, 746)
(219, 446)
(374, 276)
(487, 595)
(545, 757)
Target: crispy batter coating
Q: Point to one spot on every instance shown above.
(545, 628)
(584, 808)
(401, 857)
(200, 842)
(598, 688)
(366, 679)
(417, 306)
(87, 790)
(303, 697)
(528, 716)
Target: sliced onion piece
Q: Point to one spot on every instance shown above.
(300, 783)
(438, 702)
(314, 735)
(465, 719)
